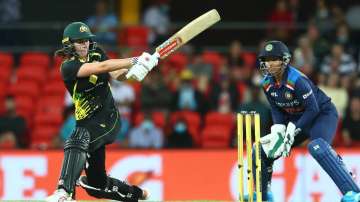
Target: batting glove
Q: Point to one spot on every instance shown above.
(143, 64)
(148, 61)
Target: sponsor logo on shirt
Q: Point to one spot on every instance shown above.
(306, 95)
(274, 94)
(288, 104)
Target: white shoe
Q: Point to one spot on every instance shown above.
(145, 195)
(59, 195)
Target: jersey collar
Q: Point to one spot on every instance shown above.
(284, 80)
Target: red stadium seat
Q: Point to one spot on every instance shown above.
(51, 104)
(134, 36)
(34, 67)
(38, 75)
(217, 118)
(49, 119)
(6, 59)
(249, 58)
(5, 74)
(112, 55)
(178, 61)
(42, 136)
(44, 132)
(24, 104)
(139, 117)
(57, 62)
(216, 136)
(55, 74)
(214, 58)
(25, 108)
(137, 89)
(3, 89)
(25, 88)
(157, 117)
(55, 88)
(138, 51)
(35, 58)
(241, 88)
(2, 106)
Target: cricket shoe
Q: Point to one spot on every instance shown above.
(351, 196)
(59, 195)
(145, 195)
(270, 197)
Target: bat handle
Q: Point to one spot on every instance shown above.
(156, 54)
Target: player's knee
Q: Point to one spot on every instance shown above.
(79, 139)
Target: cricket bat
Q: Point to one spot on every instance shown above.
(188, 32)
(184, 35)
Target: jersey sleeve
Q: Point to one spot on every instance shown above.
(69, 69)
(305, 95)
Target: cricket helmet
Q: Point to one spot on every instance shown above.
(75, 31)
(274, 49)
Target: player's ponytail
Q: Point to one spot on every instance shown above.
(66, 52)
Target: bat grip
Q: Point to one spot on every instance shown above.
(156, 54)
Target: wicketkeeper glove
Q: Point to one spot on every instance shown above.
(273, 143)
(291, 132)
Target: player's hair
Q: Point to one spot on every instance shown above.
(66, 52)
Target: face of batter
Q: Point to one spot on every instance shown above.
(82, 47)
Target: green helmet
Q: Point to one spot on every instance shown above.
(76, 30)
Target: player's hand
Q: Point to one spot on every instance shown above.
(291, 132)
(143, 64)
(148, 61)
(273, 144)
(137, 72)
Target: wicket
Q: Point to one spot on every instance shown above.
(249, 116)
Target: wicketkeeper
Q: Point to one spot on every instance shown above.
(300, 111)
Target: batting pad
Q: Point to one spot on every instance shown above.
(333, 165)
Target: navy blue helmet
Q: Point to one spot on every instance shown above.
(274, 50)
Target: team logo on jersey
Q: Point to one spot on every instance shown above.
(83, 28)
(269, 47)
(288, 95)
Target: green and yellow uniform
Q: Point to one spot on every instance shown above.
(94, 104)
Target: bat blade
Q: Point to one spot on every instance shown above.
(188, 32)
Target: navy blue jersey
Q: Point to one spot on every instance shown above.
(295, 98)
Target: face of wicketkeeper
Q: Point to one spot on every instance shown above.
(274, 66)
(82, 47)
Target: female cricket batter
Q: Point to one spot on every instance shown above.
(303, 112)
(86, 71)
